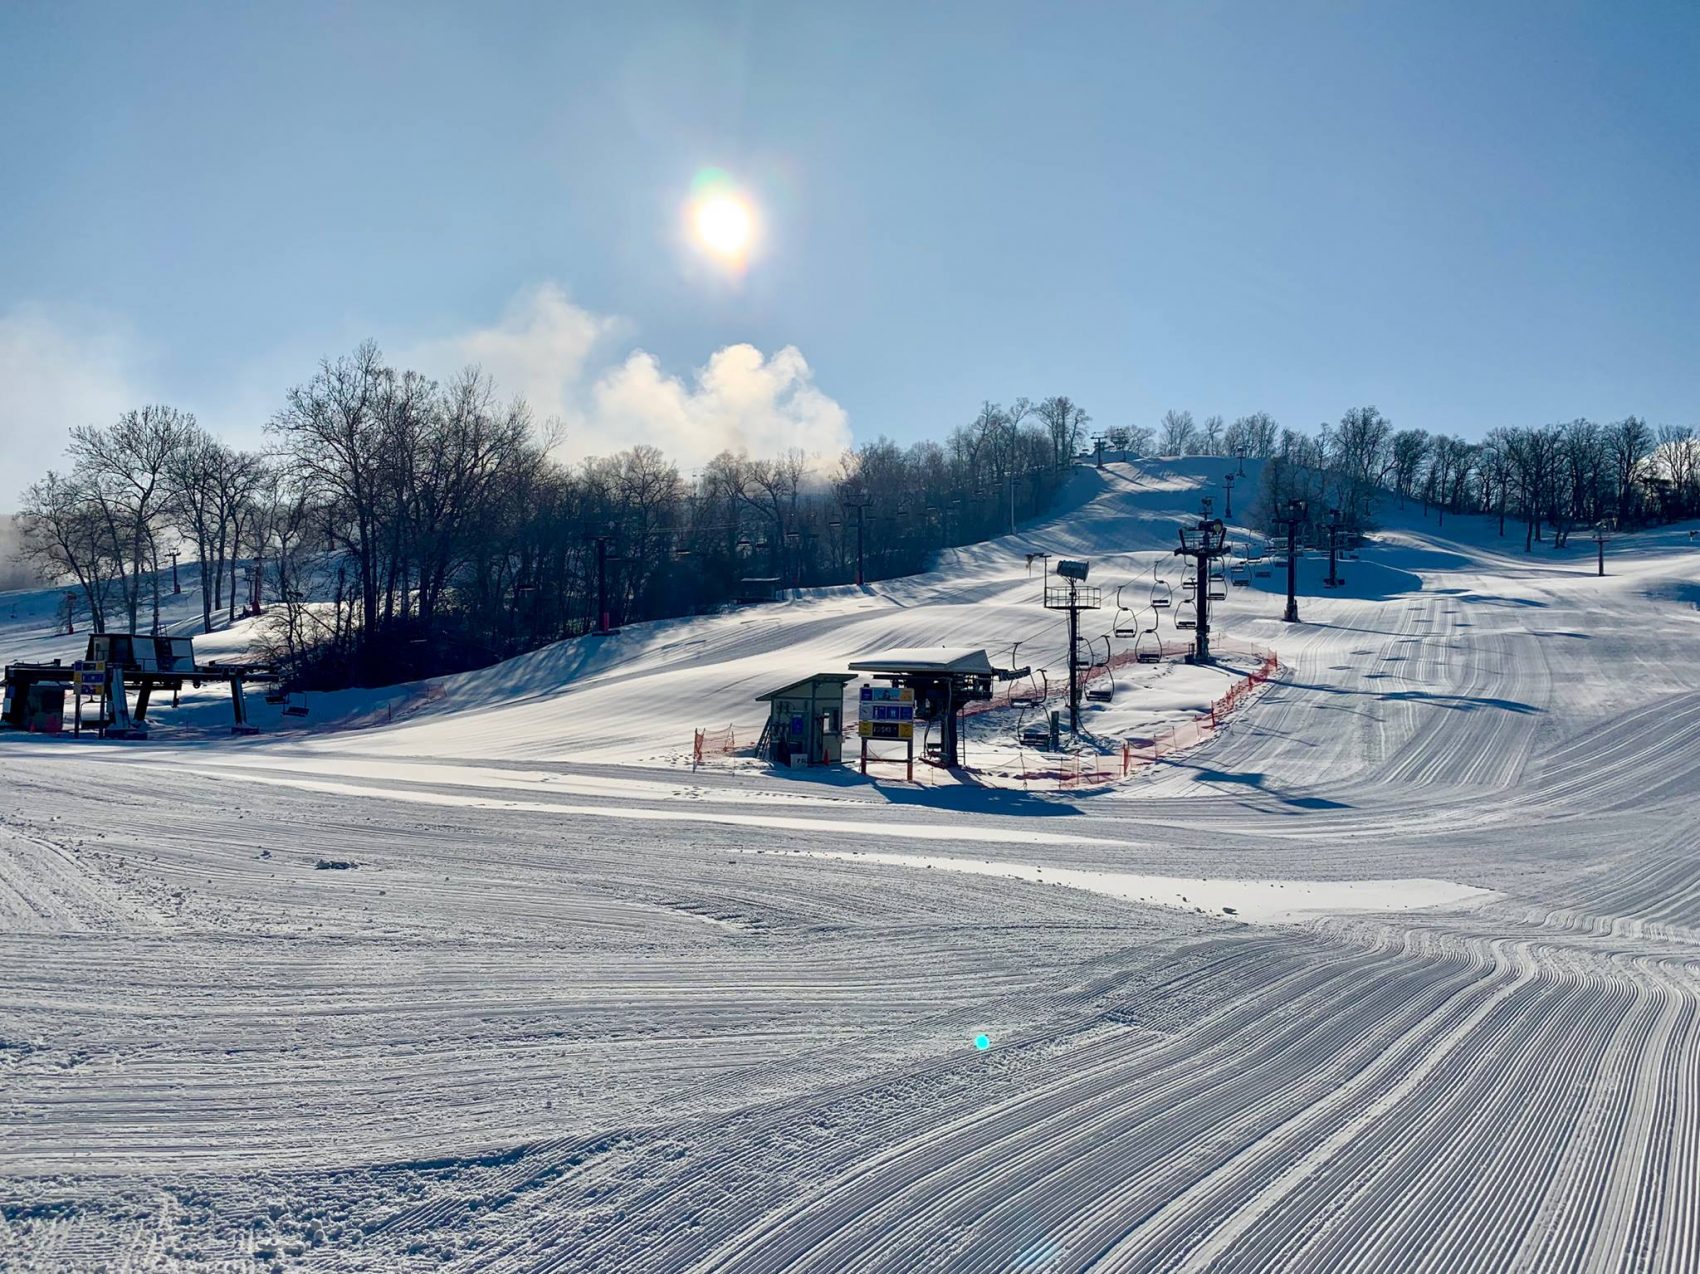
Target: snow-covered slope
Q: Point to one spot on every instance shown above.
(1396, 972)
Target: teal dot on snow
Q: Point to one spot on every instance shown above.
(982, 1042)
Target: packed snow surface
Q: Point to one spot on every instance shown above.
(1396, 970)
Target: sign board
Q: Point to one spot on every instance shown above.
(91, 676)
(886, 712)
(899, 730)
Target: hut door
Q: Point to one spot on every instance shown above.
(827, 748)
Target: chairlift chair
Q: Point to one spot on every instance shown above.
(1125, 625)
(1185, 619)
(1104, 694)
(1148, 647)
(1033, 694)
(1160, 593)
(1218, 587)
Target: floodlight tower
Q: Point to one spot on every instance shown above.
(858, 500)
(1073, 599)
(1600, 529)
(1228, 482)
(1204, 544)
(1334, 529)
(1296, 510)
(602, 625)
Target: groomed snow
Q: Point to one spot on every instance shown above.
(489, 978)
(1270, 901)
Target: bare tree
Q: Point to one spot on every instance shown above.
(124, 470)
(333, 432)
(1176, 433)
(1066, 423)
(1628, 443)
(65, 537)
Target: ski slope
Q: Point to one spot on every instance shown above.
(1396, 972)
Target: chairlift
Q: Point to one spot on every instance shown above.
(1124, 627)
(1185, 619)
(1148, 647)
(1218, 587)
(296, 706)
(1031, 695)
(1103, 694)
(1160, 592)
(1239, 575)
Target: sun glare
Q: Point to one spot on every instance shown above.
(724, 225)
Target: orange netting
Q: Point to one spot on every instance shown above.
(712, 743)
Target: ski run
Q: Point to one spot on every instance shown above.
(1393, 969)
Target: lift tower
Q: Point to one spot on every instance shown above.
(1296, 511)
(1334, 532)
(1073, 598)
(1203, 543)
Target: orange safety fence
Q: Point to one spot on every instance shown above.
(1180, 735)
(712, 743)
(1087, 768)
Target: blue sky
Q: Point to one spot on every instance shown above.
(1469, 215)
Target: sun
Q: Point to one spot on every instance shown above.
(725, 225)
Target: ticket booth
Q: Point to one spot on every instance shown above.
(805, 721)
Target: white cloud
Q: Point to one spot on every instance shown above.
(538, 351)
(62, 367)
(739, 401)
(58, 368)
(554, 355)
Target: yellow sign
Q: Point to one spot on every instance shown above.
(886, 729)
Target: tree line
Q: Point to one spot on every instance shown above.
(1178, 434)
(398, 527)
(1551, 479)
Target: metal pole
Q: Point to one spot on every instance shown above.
(1334, 580)
(1600, 540)
(175, 586)
(602, 582)
(861, 517)
(1073, 661)
(1292, 615)
(1228, 482)
(1201, 647)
